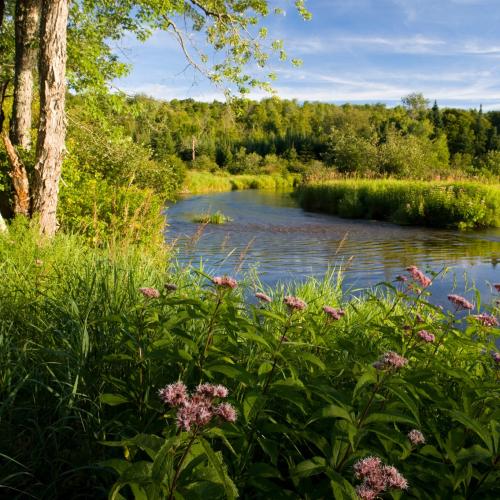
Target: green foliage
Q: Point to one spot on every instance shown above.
(215, 218)
(465, 205)
(84, 354)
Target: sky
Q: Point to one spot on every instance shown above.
(356, 51)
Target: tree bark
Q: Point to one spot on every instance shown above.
(19, 178)
(27, 24)
(52, 126)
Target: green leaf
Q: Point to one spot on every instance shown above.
(113, 399)
(331, 411)
(368, 377)
(389, 417)
(232, 371)
(229, 486)
(474, 426)
(312, 467)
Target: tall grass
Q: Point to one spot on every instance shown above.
(463, 205)
(83, 353)
(205, 182)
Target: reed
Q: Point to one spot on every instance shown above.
(462, 205)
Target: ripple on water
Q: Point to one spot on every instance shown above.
(271, 231)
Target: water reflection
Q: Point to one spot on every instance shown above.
(269, 230)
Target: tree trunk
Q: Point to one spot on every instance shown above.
(27, 29)
(52, 126)
(19, 178)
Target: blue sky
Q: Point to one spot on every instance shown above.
(354, 51)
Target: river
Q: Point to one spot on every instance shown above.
(271, 233)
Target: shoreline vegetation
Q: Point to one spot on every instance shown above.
(197, 182)
(464, 205)
(125, 376)
(461, 205)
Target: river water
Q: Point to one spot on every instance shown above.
(271, 233)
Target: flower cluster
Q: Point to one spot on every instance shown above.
(150, 293)
(460, 302)
(426, 336)
(225, 282)
(416, 437)
(198, 409)
(294, 303)
(486, 319)
(390, 360)
(419, 276)
(333, 313)
(377, 478)
(263, 297)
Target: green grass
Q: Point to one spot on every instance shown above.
(83, 354)
(215, 218)
(463, 205)
(206, 182)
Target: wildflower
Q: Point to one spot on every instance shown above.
(333, 313)
(38, 262)
(263, 297)
(225, 281)
(150, 293)
(377, 478)
(226, 412)
(394, 479)
(212, 391)
(401, 278)
(174, 394)
(390, 360)
(294, 303)
(496, 286)
(366, 493)
(170, 287)
(496, 357)
(460, 302)
(416, 437)
(419, 276)
(426, 336)
(198, 409)
(486, 319)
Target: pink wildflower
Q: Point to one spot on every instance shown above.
(174, 394)
(390, 360)
(394, 479)
(486, 319)
(366, 467)
(225, 281)
(212, 391)
(294, 303)
(197, 411)
(496, 286)
(377, 478)
(419, 276)
(226, 412)
(416, 437)
(401, 278)
(263, 297)
(366, 493)
(460, 302)
(150, 293)
(333, 313)
(496, 357)
(426, 336)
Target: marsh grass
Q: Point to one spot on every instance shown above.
(215, 218)
(463, 205)
(205, 182)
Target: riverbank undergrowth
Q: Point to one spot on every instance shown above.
(463, 205)
(103, 352)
